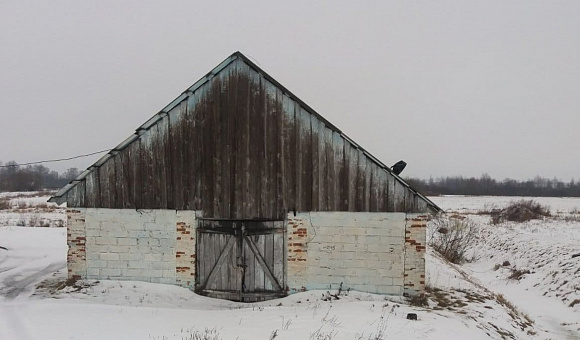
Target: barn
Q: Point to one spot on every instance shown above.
(239, 190)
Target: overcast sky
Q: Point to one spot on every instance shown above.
(453, 88)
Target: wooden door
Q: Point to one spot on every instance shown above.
(241, 260)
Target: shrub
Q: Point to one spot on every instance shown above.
(452, 238)
(520, 211)
(517, 274)
(4, 204)
(419, 300)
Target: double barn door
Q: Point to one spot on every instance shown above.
(241, 260)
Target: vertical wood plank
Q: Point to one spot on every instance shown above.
(148, 200)
(391, 193)
(105, 200)
(193, 176)
(155, 169)
(256, 145)
(279, 167)
(191, 152)
(233, 136)
(82, 193)
(217, 139)
(160, 157)
(289, 153)
(271, 114)
(422, 206)
(268, 256)
(322, 168)
(167, 161)
(213, 245)
(352, 177)
(373, 196)
(72, 196)
(250, 270)
(110, 166)
(306, 166)
(279, 258)
(399, 196)
(200, 257)
(120, 187)
(367, 188)
(137, 169)
(299, 138)
(259, 272)
(127, 175)
(225, 140)
(207, 147)
(174, 130)
(315, 146)
(242, 171)
(380, 184)
(359, 189)
(330, 182)
(384, 190)
(339, 174)
(92, 189)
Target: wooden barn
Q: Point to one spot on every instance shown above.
(239, 190)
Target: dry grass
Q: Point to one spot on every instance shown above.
(520, 211)
(452, 237)
(572, 216)
(445, 300)
(419, 300)
(517, 274)
(520, 318)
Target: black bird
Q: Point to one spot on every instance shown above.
(398, 167)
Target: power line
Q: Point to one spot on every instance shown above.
(54, 160)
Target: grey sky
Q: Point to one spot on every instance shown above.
(453, 88)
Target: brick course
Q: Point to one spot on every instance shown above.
(372, 252)
(185, 249)
(368, 252)
(415, 243)
(76, 241)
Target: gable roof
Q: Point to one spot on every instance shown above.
(60, 196)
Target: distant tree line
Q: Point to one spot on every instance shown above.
(485, 185)
(32, 177)
(38, 177)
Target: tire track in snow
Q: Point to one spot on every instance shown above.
(13, 288)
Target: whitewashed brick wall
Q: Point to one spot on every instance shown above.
(123, 244)
(363, 251)
(372, 252)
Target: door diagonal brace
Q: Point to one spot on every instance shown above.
(261, 261)
(219, 262)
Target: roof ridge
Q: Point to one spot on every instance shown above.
(191, 89)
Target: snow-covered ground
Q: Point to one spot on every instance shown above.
(549, 291)
(30, 209)
(471, 301)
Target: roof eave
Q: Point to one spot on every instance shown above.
(60, 196)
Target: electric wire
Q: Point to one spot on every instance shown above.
(53, 160)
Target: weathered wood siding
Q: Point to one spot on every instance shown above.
(240, 147)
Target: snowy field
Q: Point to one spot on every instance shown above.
(476, 300)
(25, 209)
